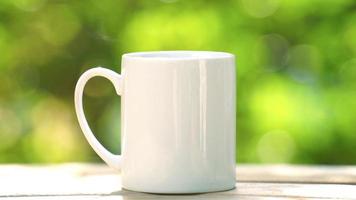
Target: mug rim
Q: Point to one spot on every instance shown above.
(178, 55)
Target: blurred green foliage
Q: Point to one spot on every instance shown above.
(296, 72)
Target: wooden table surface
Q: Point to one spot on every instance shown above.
(97, 181)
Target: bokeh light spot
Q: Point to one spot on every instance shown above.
(304, 63)
(29, 5)
(350, 34)
(10, 127)
(260, 9)
(274, 51)
(168, 1)
(276, 147)
(55, 137)
(348, 71)
(58, 25)
(274, 104)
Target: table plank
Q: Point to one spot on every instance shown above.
(297, 174)
(92, 181)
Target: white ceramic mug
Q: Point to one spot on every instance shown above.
(178, 121)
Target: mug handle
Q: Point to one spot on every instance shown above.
(112, 160)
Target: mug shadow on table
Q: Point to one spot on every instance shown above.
(130, 195)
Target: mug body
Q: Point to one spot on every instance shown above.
(178, 121)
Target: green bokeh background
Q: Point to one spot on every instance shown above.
(296, 72)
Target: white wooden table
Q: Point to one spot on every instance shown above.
(97, 181)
